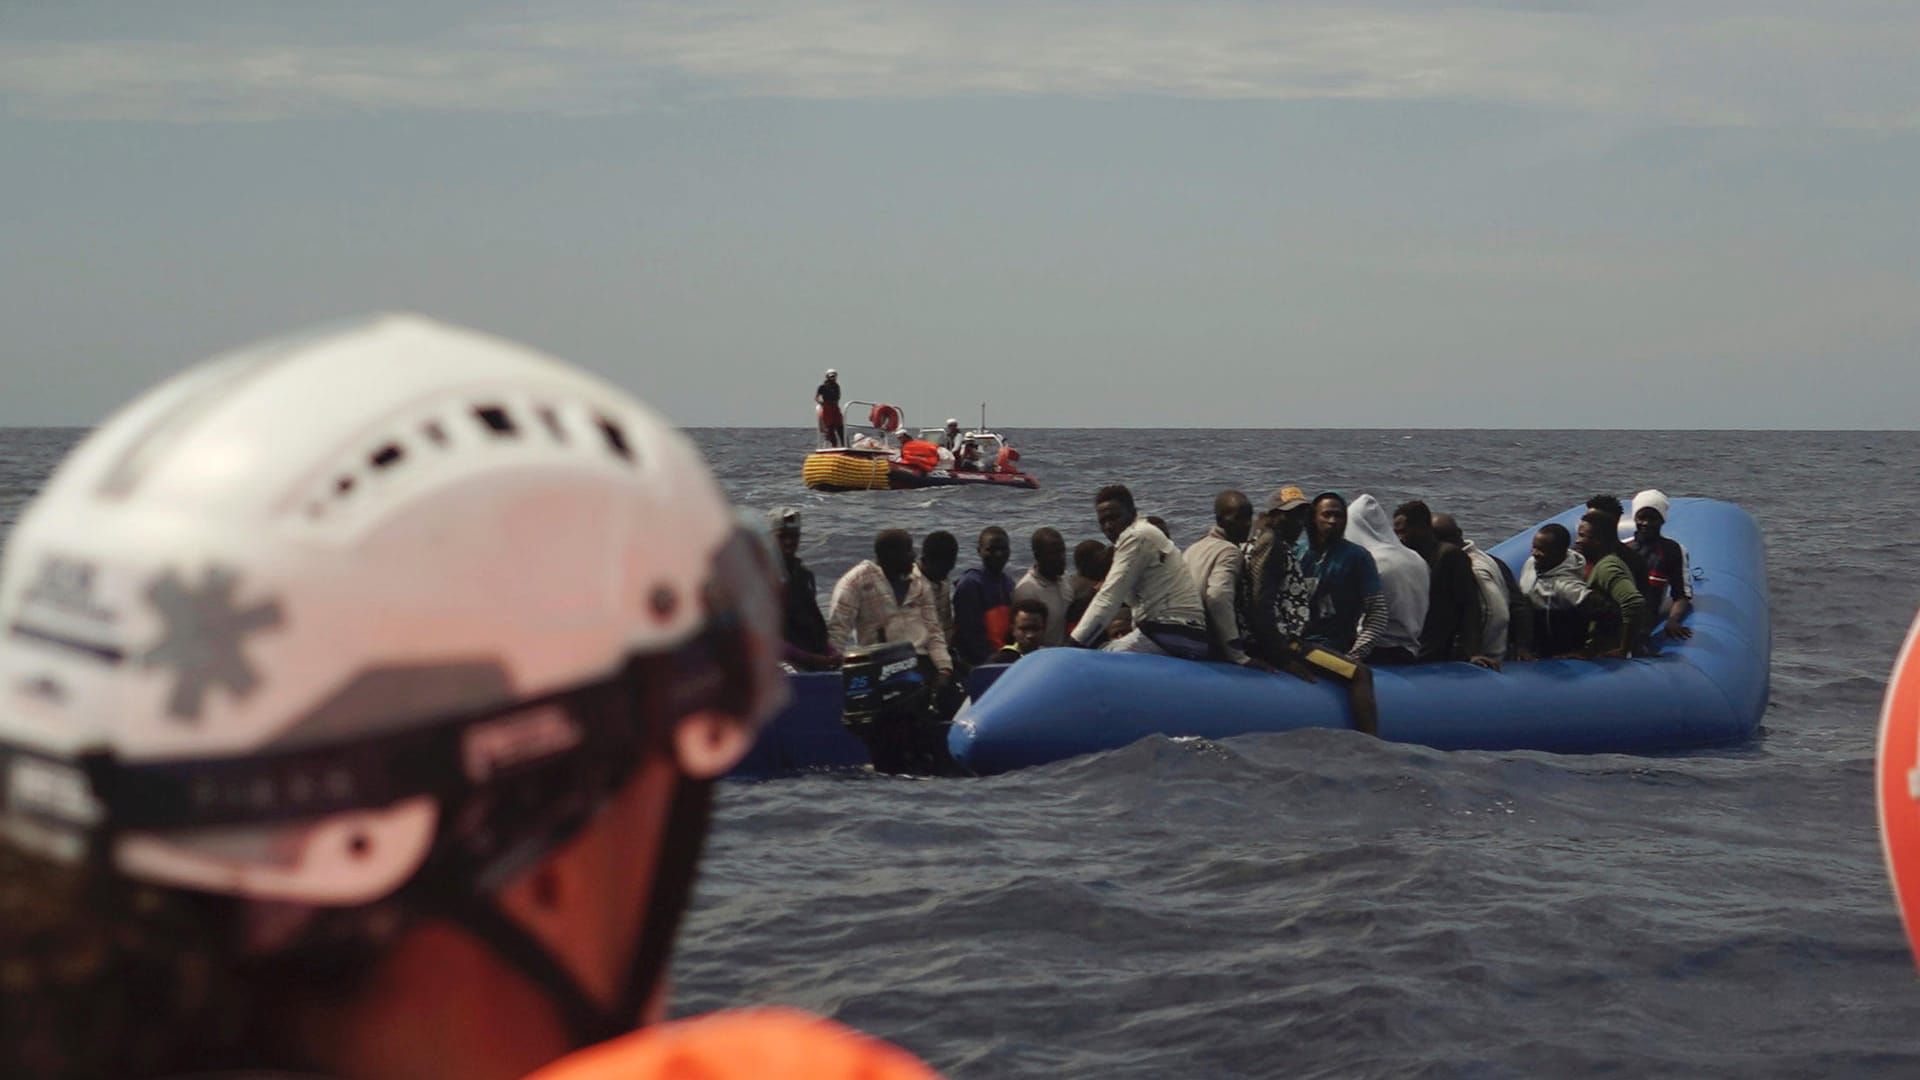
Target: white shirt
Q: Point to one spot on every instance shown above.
(1056, 594)
(864, 612)
(1493, 597)
(1149, 576)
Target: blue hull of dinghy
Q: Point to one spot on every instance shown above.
(807, 734)
(1711, 688)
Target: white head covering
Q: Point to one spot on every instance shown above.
(1651, 497)
(1403, 573)
(832, 374)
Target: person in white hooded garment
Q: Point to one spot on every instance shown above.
(1403, 578)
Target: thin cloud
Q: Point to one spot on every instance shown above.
(1840, 63)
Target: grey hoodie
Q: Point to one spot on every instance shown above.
(1403, 573)
(1562, 588)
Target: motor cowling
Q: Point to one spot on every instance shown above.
(888, 704)
(877, 680)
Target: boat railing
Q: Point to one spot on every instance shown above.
(864, 409)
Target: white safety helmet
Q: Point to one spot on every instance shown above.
(952, 423)
(275, 628)
(832, 374)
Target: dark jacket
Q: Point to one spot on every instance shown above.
(802, 625)
(1456, 621)
(1623, 624)
(982, 615)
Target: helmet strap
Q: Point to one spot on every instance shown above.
(588, 1022)
(673, 877)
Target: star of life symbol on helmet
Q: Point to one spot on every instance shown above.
(203, 638)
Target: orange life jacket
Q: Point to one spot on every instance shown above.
(750, 1044)
(999, 625)
(920, 454)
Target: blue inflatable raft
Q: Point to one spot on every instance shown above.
(1710, 688)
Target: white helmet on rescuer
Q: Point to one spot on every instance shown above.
(321, 613)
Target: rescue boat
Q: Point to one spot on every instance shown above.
(886, 455)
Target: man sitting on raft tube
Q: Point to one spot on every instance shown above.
(1279, 601)
(1149, 576)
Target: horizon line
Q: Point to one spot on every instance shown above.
(1242, 427)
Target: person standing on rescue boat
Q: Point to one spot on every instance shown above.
(833, 425)
(350, 817)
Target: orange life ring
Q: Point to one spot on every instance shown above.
(884, 418)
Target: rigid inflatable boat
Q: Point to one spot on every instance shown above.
(889, 456)
(1707, 689)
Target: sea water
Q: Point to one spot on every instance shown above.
(1320, 903)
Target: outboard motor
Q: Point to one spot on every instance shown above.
(887, 703)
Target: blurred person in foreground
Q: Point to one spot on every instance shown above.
(287, 793)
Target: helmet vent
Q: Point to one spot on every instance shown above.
(496, 419)
(616, 439)
(546, 423)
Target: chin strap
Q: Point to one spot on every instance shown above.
(588, 1021)
(672, 890)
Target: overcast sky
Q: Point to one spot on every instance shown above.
(1386, 213)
